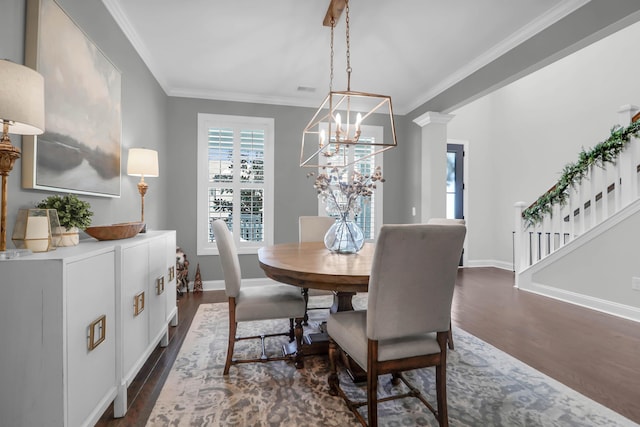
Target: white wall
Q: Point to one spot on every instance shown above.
(521, 136)
(598, 271)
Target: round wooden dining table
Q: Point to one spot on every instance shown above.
(311, 265)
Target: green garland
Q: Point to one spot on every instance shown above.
(573, 173)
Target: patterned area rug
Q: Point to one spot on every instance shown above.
(486, 387)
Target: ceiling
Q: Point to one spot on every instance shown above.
(277, 51)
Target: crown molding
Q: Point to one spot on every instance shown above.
(113, 6)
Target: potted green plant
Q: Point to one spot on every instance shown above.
(74, 215)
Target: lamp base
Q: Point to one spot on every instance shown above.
(8, 155)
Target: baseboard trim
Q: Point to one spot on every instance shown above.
(604, 306)
(503, 265)
(218, 285)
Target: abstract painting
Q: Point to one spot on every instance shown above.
(80, 149)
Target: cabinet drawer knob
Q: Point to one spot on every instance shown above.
(97, 332)
(138, 303)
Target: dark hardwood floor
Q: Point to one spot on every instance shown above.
(591, 352)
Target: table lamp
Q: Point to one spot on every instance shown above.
(142, 162)
(21, 113)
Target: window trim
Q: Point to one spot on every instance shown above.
(378, 133)
(205, 122)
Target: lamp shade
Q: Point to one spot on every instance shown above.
(142, 162)
(21, 98)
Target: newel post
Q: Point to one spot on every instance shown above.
(519, 252)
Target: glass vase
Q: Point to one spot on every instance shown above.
(344, 236)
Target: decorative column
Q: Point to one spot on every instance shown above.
(433, 182)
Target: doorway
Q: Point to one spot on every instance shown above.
(455, 181)
(455, 185)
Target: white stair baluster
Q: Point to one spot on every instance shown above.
(592, 196)
(605, 192)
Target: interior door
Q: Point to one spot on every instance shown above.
(455, 182)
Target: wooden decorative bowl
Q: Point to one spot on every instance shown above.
(123, 230)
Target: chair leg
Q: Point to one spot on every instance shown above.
(450, 337)
(299, 360)
(441, 382)
(305, 295)
(292, 334)
(233, 325)
(334, 382)
(395, 378)
(372, 383)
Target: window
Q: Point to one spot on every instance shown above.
(370, 216)
(235, 180)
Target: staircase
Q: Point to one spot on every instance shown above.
(555, 245)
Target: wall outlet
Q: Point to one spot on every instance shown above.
(635, 283)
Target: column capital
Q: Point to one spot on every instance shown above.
(433, 117)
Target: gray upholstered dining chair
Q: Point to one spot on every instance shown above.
(448, 221)
(408, 314)
(275, 301)
(313, 229)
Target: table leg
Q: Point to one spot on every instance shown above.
(319, 343)
(342, 301)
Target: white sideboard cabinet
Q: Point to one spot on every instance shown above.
(63, 317)
(147, 303)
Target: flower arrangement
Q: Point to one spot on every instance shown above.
(72, 212)
(340, 192)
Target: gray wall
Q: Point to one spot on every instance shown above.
(153, 120)
(144, 111)
(294, 193)
(150, 119)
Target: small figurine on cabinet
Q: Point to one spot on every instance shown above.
(182, 269)
(197, 281)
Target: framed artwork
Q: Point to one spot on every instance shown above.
(79, 152)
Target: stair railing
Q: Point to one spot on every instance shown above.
(565, 212)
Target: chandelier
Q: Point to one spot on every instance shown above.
(337, 124)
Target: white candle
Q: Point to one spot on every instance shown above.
(37, 233)
(37, 227)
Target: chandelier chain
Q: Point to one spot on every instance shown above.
(348, 38)
(333, 25)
